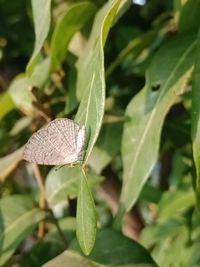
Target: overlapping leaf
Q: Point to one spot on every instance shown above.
(64, 183)
(21, 95)
(71, 259)
(196, 119)
(9, 163)
(42, 18)
(72, 21)
(91, 81)
(18, 219)
(145, 114)
(117, 244)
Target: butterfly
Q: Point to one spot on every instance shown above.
(60, 142)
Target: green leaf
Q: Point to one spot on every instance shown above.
(18, 219)
(173, 204)
(106, 147)
(71, 22)
(40, 73)
(86, 217)
(64, 182)
(146, 112)
(186, 21)
(153, 234)
(68, 227)
(195, 127)
(150, 193)
(21, 95)
(9, 163)
(6, 104)
(42, 18)
(98, 159)
(133, 48)
(91, 87)
(51, 245)
(173, 244)
(112, 248)
(71, 259)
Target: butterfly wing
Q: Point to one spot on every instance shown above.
(55, 144)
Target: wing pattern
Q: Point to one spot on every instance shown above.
(60, 142)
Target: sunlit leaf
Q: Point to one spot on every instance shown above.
(20, 125)
(91, 87)
(42, 19)
(71, 22)
(9, 163)
(145, 114)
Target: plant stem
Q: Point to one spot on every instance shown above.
(58, 228)
(44, 205)
(42, 201)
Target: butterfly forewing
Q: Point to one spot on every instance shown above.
(60, 142)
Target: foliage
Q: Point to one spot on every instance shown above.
(130, 74)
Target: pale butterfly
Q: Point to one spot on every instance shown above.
(60, 142)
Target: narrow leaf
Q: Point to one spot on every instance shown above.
(86, 217)
(18, 219)
(42, 19)
(91, 80)
(196, 119)
(145, 114)
(71, 22)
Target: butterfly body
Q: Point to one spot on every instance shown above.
(60, 142)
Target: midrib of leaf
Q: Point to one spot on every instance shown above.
(90, 147)
(172, 75)
(11, 226)
(82, 215)
(89, 99)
